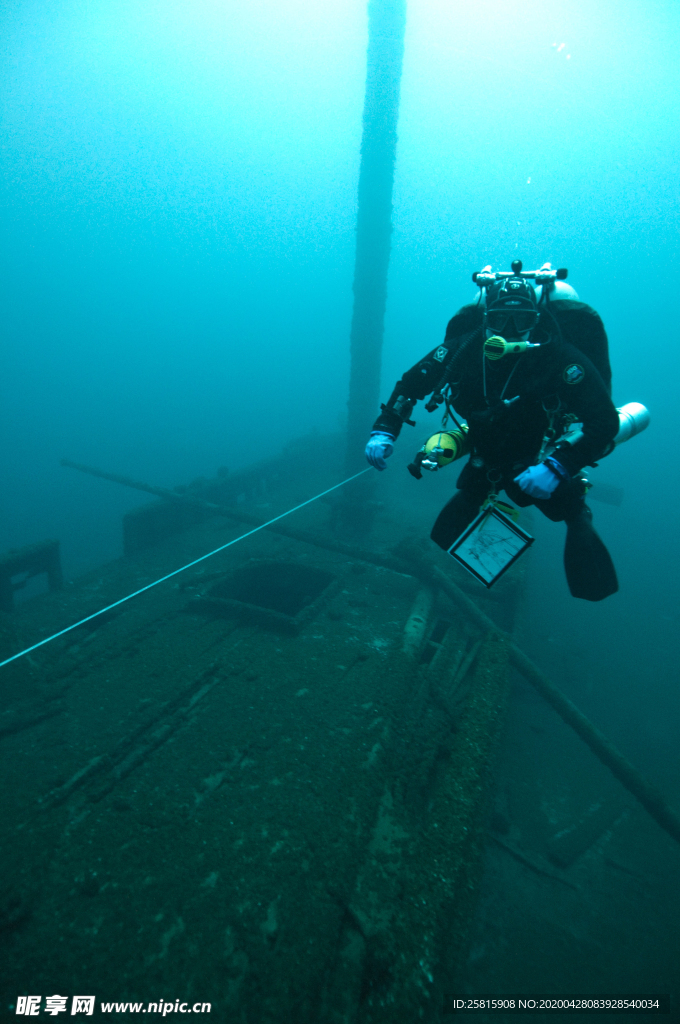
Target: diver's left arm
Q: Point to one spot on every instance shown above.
(582, 392)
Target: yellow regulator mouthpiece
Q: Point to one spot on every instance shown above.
(496, 347)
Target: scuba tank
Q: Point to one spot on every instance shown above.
(440, 450)
(633, 419)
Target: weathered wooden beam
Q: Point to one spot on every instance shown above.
(304, 537)
(607, 753)
(138, 485)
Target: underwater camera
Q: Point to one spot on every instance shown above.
(440, 450)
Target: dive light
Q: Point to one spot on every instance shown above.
(544, 275)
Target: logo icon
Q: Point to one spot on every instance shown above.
(573, 373)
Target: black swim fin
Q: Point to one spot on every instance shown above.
(587, 563)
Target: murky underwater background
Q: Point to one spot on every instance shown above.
(179, 202)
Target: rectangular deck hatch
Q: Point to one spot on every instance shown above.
(284, 594)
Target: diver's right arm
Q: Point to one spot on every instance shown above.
(428, 374)
(418, 382)
(415, 384)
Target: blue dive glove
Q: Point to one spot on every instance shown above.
(540, 481)
(379, 448)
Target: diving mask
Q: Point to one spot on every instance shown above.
(511, 323)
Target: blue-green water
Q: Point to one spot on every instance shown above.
(178, 205)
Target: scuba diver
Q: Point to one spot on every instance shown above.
(521, 365)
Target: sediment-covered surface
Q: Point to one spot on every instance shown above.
(206, 806)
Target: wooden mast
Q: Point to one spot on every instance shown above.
(386, 23)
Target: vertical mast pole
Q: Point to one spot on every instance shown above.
(386, 24)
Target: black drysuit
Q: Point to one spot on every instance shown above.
(509, 405)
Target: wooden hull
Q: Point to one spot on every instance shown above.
(202, 806)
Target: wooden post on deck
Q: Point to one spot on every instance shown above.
(28, 562)
(386, 24)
